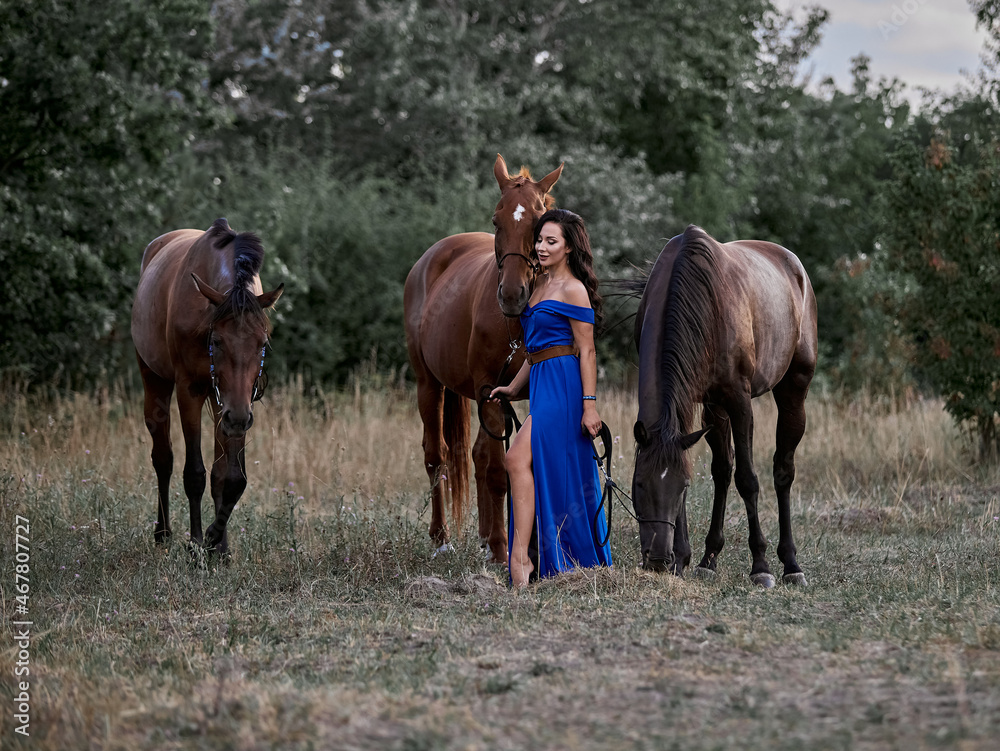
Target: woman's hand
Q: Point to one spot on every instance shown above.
(591, 421)
(509, 391)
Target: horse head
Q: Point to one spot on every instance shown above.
(659, 493)
(237, 334)
(522, 201)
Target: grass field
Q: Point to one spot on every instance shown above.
(334, 627)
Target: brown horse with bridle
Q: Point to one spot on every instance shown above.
(199, 323)
(719, 324)
(462, 300)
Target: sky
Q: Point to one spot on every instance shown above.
(922, 42)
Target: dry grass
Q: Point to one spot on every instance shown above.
(333, 627)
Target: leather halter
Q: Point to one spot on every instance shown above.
(526, 259)
(258, 386)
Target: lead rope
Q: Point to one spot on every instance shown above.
(611, 487)
(605, 435)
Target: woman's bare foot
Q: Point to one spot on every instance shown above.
(520, 573)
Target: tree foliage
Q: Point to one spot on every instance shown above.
(92, 106)
(943, 232)
(353, 135)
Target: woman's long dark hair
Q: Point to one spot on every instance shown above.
(581, 258)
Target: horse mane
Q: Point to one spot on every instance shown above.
(240, 302)
(688, 340)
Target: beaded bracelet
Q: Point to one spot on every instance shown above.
(590, 398)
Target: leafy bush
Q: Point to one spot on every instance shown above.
(92, 108)
(944, 232)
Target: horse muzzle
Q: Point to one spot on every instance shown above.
(235, 423)
(651, 563)
(513, 305)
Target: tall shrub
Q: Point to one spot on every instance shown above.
(943, 230)
(93, 106)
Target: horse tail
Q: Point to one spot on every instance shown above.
(457, 417)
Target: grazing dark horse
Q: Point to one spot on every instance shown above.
(459, 340)
(199, 322)
(719, 324)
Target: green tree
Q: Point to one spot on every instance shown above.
(943, 232)
(92, 108)
(821, 163)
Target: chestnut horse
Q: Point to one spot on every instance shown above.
(199, 322)
(460, 340)
(719, 324)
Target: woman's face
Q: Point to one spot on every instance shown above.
(551, 246)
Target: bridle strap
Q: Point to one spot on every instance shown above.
(211, 367)
(611, 486)
(523, 257)
(258, 390)
(526, 259)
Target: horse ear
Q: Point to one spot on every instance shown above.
(639, 431)
(546, 183)
(500, 172)
(691, 439)
(214, 296)
(268, 299)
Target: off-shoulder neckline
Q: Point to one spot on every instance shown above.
(560, 302)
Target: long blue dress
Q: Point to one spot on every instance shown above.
(567, 486)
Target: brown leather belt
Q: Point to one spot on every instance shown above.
(549, 352)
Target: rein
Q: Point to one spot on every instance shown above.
(611, 486)
(259, 384)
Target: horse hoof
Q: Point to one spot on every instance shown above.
(446, 548)
(699, 572)
(764, 581)
(797, 579)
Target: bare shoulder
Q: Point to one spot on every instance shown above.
(576, 294)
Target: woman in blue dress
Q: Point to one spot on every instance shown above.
(554, 484)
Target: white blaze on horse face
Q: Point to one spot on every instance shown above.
(518, 213)
(664, 475)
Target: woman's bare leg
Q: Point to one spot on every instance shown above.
(522, 488)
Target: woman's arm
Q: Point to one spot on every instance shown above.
(516, 384)
(583, 335)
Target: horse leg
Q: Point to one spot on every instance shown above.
(229, 480)
(156, 411)
(491, 486)
(749, 488)
(790, 396)
(190, 406)
(430, 402)
(720, 441)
